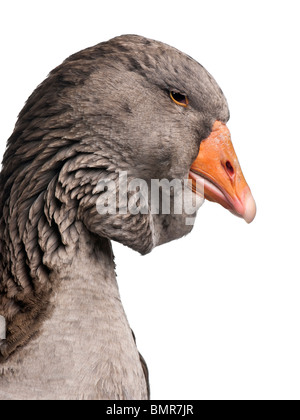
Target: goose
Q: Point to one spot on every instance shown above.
(130, 105)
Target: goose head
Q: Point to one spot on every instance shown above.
(155, 113)
(129, 105)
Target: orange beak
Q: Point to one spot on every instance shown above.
(218, 168)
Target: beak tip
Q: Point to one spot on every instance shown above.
(250, 208)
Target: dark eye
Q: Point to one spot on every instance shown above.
(179, 99)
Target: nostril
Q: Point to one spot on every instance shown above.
(229, 168)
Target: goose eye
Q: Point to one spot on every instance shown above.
(179, 99)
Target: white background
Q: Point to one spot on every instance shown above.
(216, 314)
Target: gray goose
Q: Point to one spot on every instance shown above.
(130, 104)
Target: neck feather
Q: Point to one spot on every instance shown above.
(86, 347)
(53, 258)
